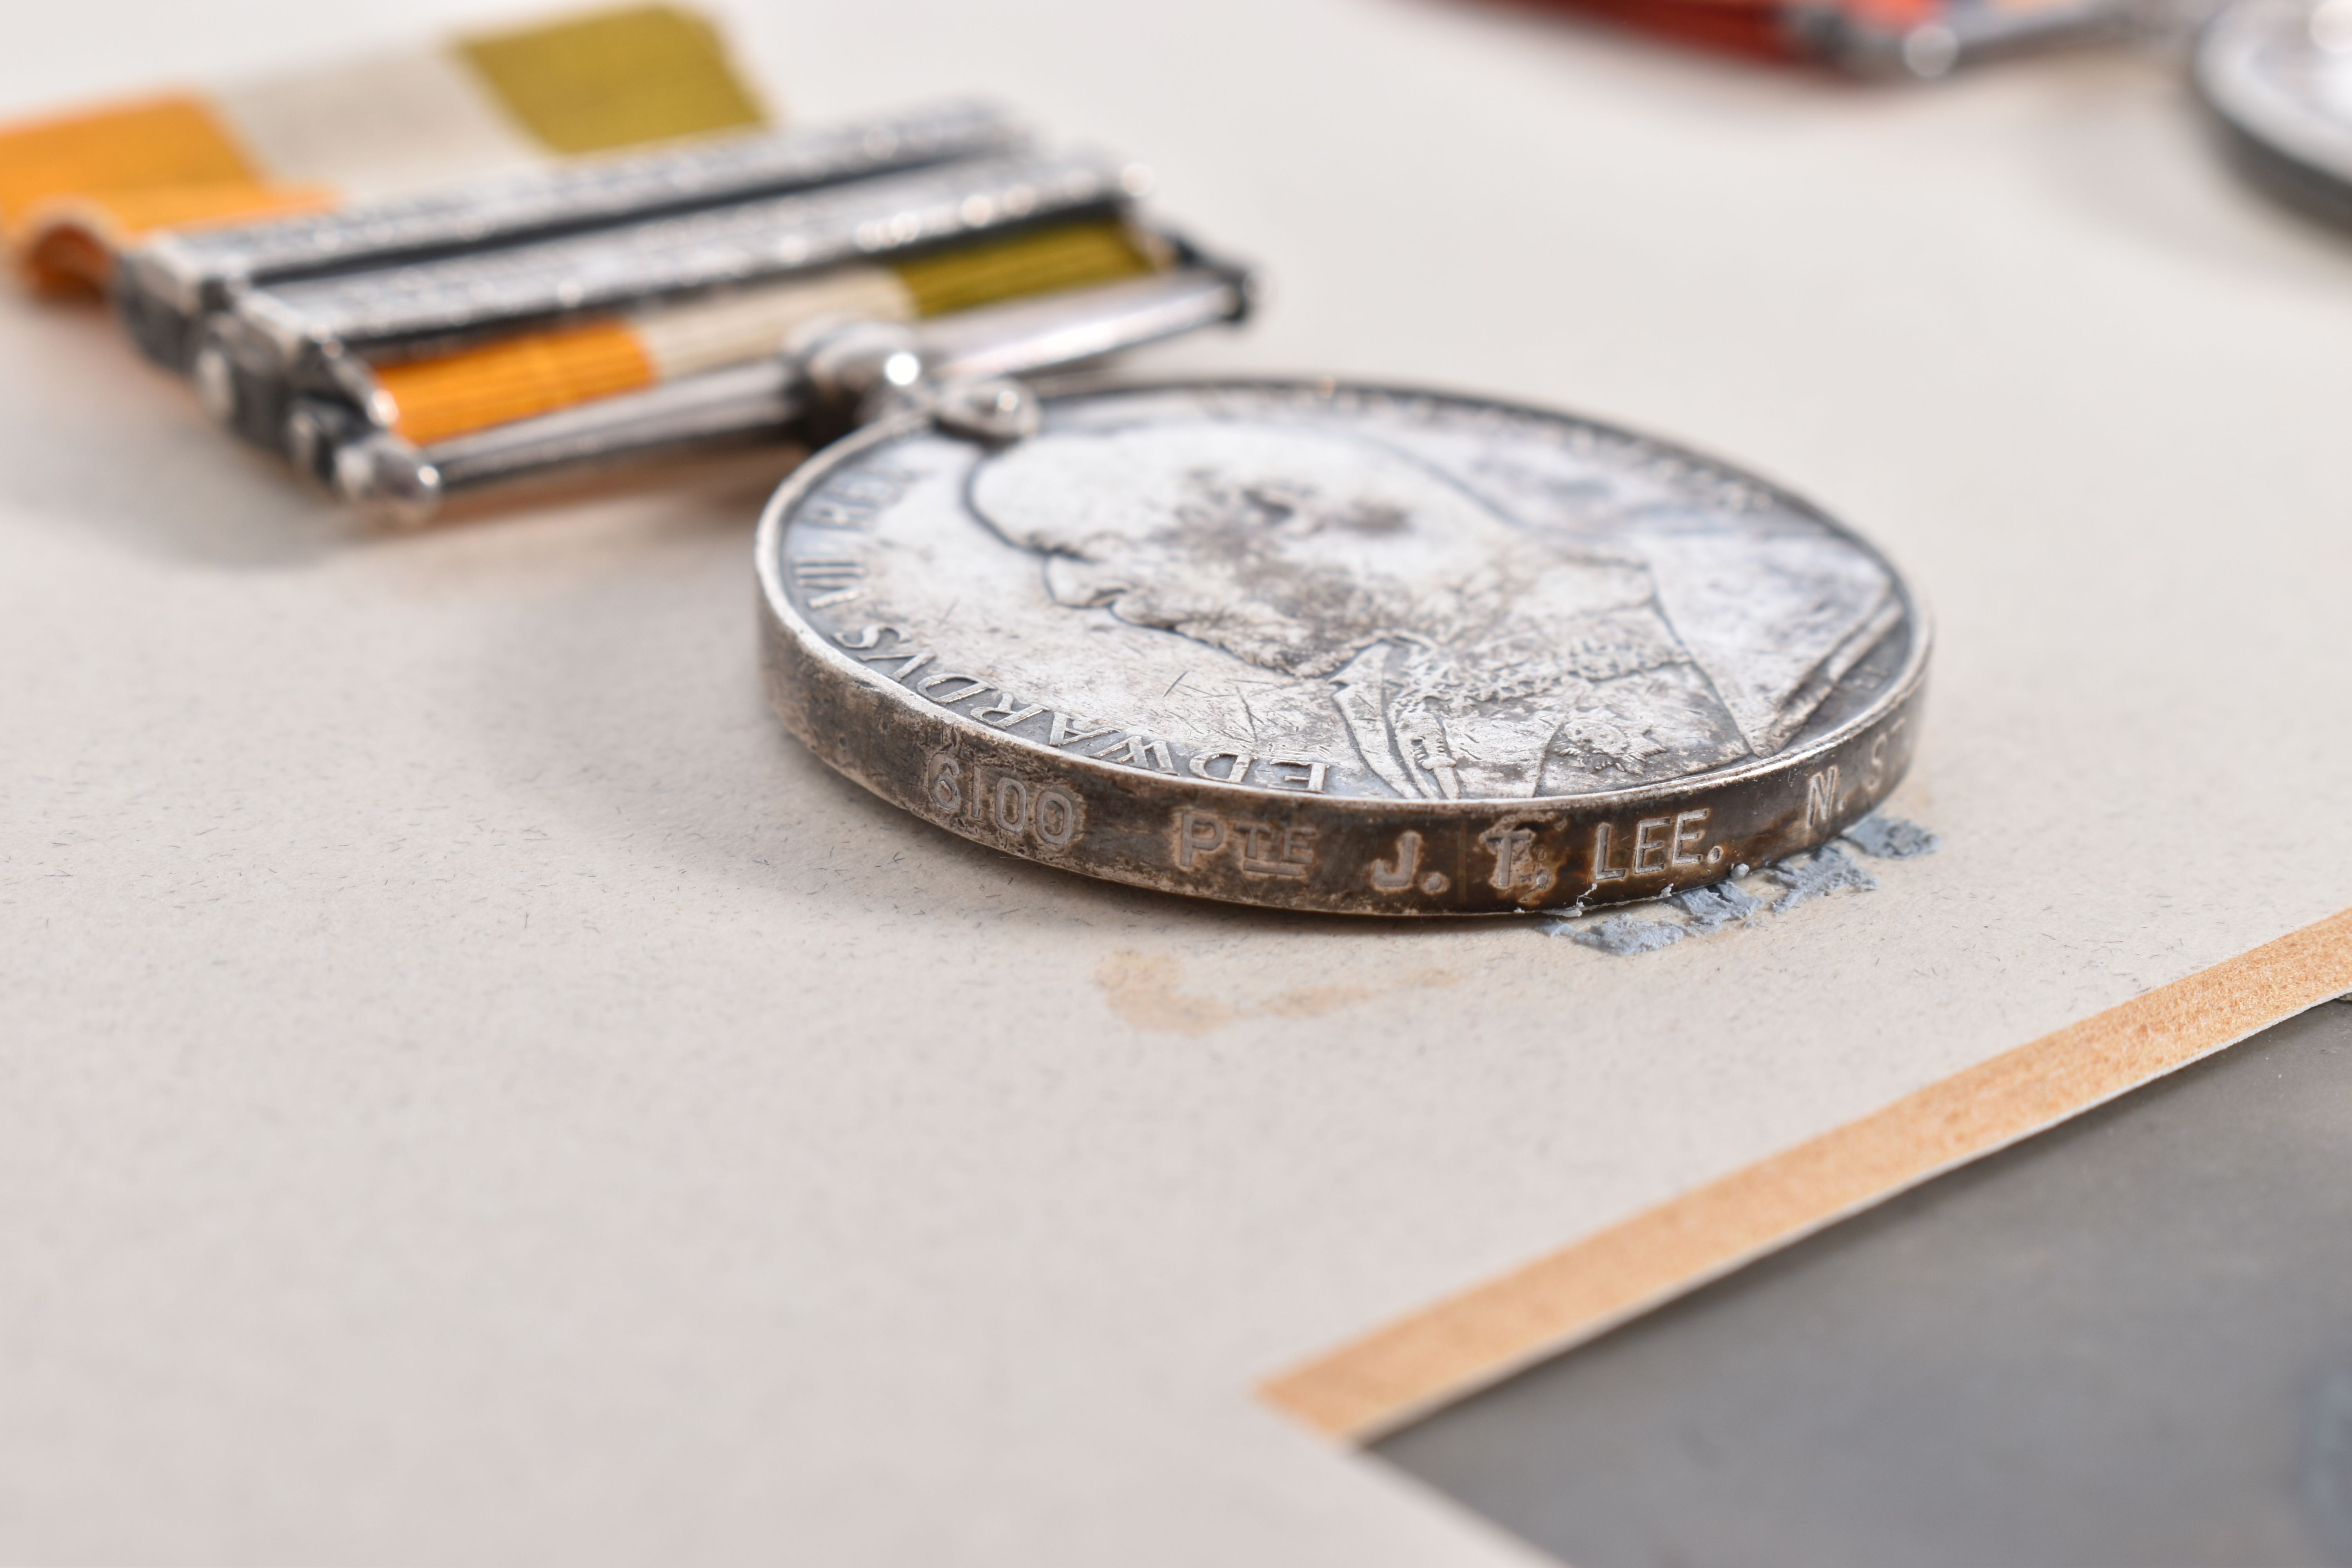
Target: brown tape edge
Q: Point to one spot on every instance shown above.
(1430, 1358)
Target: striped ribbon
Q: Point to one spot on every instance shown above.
(432, 399)
(76, 188)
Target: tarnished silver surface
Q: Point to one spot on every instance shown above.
(165, 285)
(772, 399)
(1337, 648)
(281, 343)
(2278, 75)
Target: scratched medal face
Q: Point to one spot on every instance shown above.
(1336, 596)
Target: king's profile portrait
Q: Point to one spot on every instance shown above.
(1469, 654)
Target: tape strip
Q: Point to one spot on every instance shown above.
(1435, 1356)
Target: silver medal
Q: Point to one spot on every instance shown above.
(1335, 648)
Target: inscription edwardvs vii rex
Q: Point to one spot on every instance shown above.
(1339, 649)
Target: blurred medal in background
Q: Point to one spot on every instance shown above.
(2277, 75)
(1918, 38)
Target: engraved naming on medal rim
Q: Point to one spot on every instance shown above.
(1339, 649)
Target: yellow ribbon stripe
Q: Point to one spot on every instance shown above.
(616, 78)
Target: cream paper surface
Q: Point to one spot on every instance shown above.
(476, 1092)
